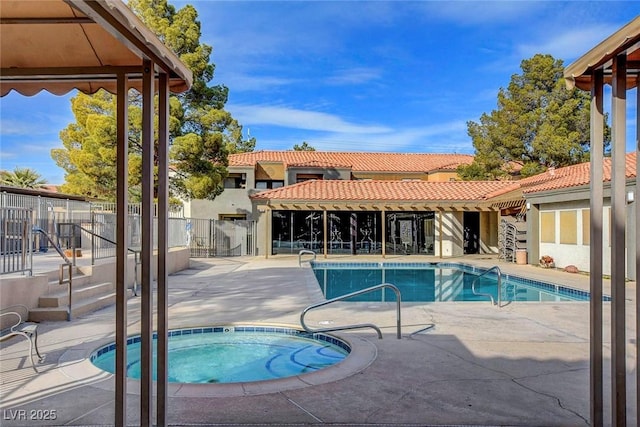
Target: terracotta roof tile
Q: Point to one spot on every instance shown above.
(379, 190)
(573, 176)
(358, 161)
(319, 164)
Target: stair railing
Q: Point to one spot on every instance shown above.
(94, 235)
(68, 265)
(357, 326)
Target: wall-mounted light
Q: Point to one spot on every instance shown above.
(528, 205)
(630, 196)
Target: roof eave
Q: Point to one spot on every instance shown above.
(627, 39)
(116, 18)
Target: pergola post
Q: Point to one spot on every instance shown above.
(163, 249)
(595, 248)
(618, 229)
(122, 255)
(637, 232)
(146, 332)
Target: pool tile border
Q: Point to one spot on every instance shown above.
(232, 329)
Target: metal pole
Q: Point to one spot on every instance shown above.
(618, 256)
(162, 401)
(122, 227)
(595, 248)
(146, 356)
(637, 238)
(384, 233)
(324, 229)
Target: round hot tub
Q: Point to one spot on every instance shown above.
(232, 354)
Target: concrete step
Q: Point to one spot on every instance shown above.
(78, 308)
(80, 292)
(79, 279)
(54, 274)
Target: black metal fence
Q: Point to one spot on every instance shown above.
(218, 238)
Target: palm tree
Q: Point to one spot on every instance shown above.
(22, 178)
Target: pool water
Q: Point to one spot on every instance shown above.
(431, 282)
(234, 354)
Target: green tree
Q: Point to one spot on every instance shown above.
(304, 147)
(538, 124)
(22, 178)
(201, 132)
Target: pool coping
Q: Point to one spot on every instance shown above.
(76, 364)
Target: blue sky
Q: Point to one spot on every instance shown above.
(353, 75)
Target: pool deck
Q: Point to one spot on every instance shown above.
(525, 364)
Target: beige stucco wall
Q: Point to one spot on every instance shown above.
(489, 232)
(452, 236)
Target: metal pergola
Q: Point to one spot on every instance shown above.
(65, 45)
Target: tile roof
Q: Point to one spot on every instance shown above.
(380, 190)
(573, 176)
(357, 161)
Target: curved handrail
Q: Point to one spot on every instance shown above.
(358, 326)
(305, 252)
(135, 252)
(499, 273)
(56, 247)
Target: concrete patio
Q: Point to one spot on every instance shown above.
(525, 364)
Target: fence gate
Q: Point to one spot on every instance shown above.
(217, 238)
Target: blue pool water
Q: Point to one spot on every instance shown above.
(231, 354)
(430, 282)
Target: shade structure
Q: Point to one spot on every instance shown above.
(624, 41)
(614, 61)
(62, 45)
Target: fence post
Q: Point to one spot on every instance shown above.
(93, 237)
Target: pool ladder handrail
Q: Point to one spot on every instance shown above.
(305, 252)
(499, 274)
(394, 288)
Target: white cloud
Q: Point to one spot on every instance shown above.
(355, 76)
(567, 45)
(299, 119)
(445, 137)
(21, 127)
(245, 82)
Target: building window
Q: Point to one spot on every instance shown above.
(568, 227)
(292, 231)
(232, 217)
(547, 227)
(268, 184)
(302, 177)
(235, 180)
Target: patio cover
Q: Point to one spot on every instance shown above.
(626, 39)
(58, 46)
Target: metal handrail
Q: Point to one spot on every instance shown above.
(67, 263)
(136, 253)
(56, 247)
(358, 326)
(305, 252)
(499, 274)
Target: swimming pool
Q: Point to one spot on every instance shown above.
(230, 354)
(431, 282)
